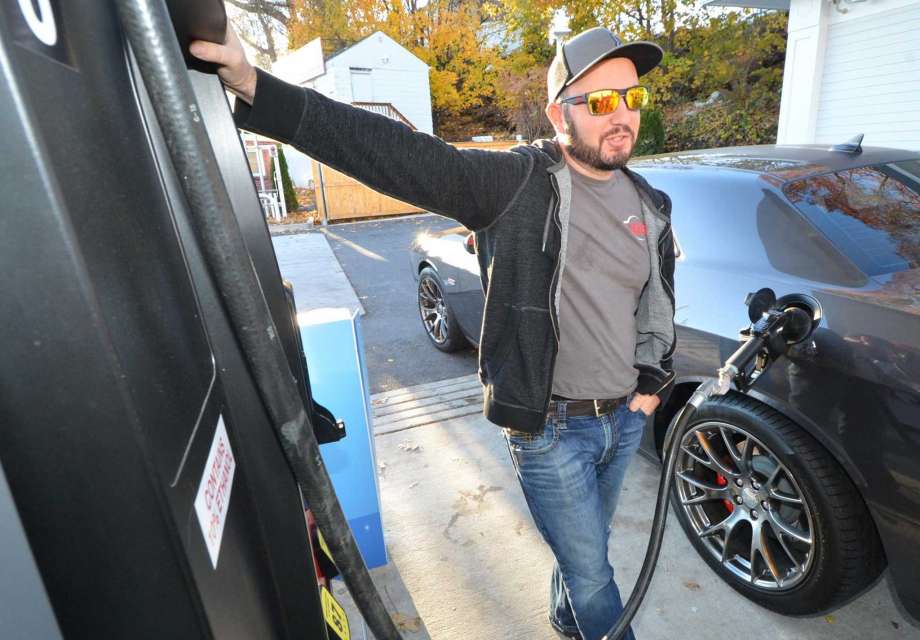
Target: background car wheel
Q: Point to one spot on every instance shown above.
(437, 317)
(771, 511)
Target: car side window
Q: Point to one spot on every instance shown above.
(795, 247)
(872, 213)
(730, 220)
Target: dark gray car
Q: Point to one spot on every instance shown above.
(800, 493)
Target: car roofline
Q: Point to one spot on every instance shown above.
(821, 158)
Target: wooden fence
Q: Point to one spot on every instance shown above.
(339, 197)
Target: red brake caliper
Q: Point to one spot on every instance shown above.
(721, 481)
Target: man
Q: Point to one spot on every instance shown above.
(577, 262)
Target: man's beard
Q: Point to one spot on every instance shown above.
(591, 156)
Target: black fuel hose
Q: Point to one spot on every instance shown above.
(149, 30)
(670, 449)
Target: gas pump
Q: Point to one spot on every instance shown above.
(144, 491)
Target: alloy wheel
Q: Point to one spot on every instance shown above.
(745, 506)
(433, 309)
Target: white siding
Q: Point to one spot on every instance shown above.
(805, 46)
(378, 51)
(362, 85)
(325, 84)
(341, 80)
(408, 91)
(299, 167)
(399, 77)
(871, 79)
(301, 65)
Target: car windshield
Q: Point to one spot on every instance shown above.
(872, 214)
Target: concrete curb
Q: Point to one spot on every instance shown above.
(291, 229)
(308, 262)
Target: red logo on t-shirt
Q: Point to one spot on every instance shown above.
(635, 226)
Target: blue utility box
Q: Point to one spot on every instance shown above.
(334, 351)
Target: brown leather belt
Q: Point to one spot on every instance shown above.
(595, 408)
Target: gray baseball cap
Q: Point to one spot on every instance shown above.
(588, 48)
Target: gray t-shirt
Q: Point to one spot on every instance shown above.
(606, 268)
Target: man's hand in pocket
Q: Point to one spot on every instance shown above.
(645, 404)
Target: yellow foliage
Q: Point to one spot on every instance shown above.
(446, 34)
(488, 57)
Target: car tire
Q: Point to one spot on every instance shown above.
(784, 464)
(437, 317)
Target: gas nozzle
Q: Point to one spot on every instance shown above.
(793, 318)
(776, 324)
(798, 326)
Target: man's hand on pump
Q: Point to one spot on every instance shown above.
(238, 75)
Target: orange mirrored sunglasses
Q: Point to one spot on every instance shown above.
(605, 101)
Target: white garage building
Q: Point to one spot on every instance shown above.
(376, 73)
(852, 66)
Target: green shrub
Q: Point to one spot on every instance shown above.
(720, 125)
(290, 196)
(651, 134)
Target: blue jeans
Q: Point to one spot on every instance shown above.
(571, 475)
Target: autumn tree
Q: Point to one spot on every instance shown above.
(447, 35)
(259, 23)
(488, 59)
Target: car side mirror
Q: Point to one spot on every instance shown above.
(470, 243)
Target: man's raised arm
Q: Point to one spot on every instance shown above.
(473, 186)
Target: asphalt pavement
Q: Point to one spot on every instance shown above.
(374, 255)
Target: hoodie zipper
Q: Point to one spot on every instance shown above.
(671, 291)
(552, 283)
(552, 288)
(668, 379)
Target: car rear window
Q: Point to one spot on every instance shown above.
(872, 214)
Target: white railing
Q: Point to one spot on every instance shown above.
(266, 174)
(385, 109)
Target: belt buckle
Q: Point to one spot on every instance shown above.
(597, 409)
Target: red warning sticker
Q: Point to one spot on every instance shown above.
(213, 498)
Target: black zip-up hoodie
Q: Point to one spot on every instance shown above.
(517, 202)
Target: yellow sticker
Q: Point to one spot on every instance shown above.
(334, 614)
(322, 545)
